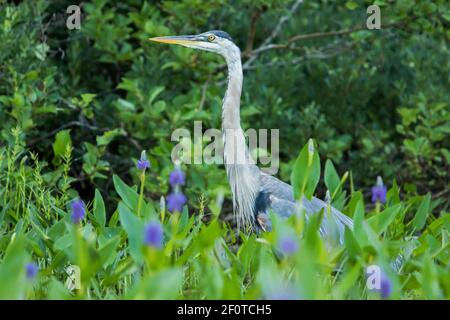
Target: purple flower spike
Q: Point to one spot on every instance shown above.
(288, 245)
(177, 178)
(78, 211)
(379, 191)
(32, 270)
(379, 282)
(143, 163)
(386, 287)
(176, 201)
(379, 194)
(154, 234)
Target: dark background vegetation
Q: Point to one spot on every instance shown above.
(375, 101)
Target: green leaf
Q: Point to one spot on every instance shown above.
(12, 271)
(331, 178)
(351, 5)
(184, 219)
(381, 221)
(154, 93)
(422, 213)
(127, 194)
(306, 173)
(134, 229)
(163, 285)
(358, 225)
(123, 104)
(108, 251)
(354, 200)
(446, 155)
(347, 281)
(247, 254)
(130, 85)
(351, 244)
(63, 242)
(82, 252)
(57, 291)
(108, 136)
(393, 195)
(41, 51)
(62, 140)
(87, 98)
(99, 209)
(429, 278)
(57, 230)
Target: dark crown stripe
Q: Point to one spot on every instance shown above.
(221, 34)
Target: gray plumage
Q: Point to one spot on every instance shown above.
(282, 202)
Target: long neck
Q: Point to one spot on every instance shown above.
(243, 174)
(232, 100)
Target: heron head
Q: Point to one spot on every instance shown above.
(214, 41)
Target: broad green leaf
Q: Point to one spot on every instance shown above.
(213, 280)
(134, 229)
(347, 281)
(154, 93)
(84, 255)
(57, 291)
(351, 244)
(446, 155)
(87, 98)
(351, 5)
(354, 200)
(63, 242)
(359, 225)
(165, 284)
(393, 195)
(41, 51)
(381, 221)
(108, 136)
(184, 218)
(306, 173)
(331, 178)
(62, 140)
(127, 194)
(108, 251)
(99, 209)
(428, 278)
(56, 230)
(246, 253)
(12, 271)
(422, 213)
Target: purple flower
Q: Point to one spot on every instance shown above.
(78, 211)
(153, 234)
(31, 270)
(379, 191)
(380, 283)
(288, 245)
(143, 163)
(177, 177)
(386, 287)
(176, 201)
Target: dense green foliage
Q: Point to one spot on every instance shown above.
(78, 106)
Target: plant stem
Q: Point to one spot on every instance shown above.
(141, 193)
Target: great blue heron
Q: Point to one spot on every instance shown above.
(255, 193)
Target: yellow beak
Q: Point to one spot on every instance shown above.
(183, 40)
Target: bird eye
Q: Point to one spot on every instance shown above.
(211, 37)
